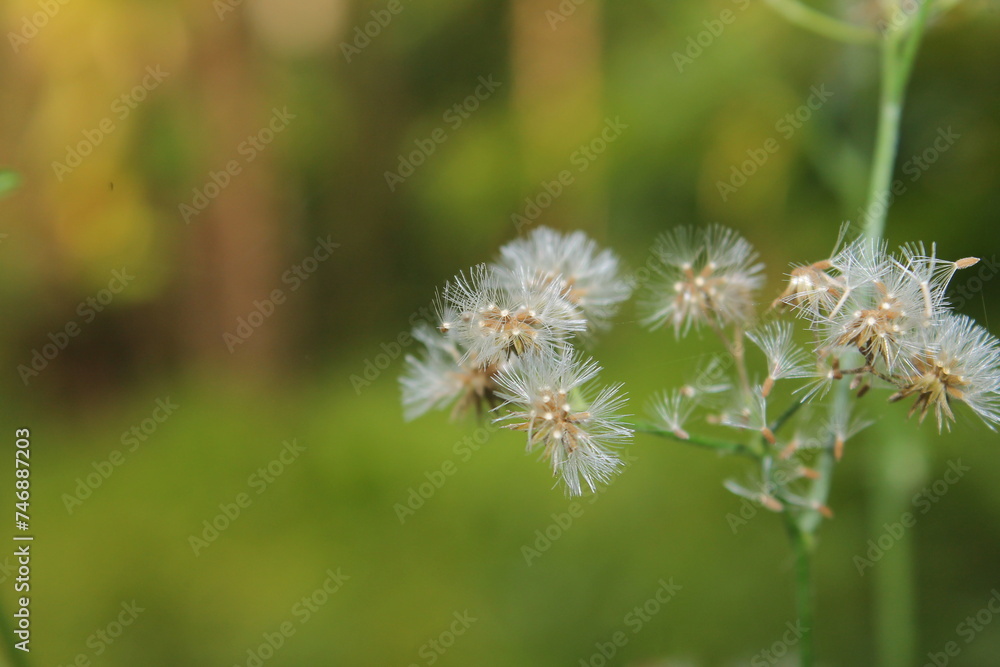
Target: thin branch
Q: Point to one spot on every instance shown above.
(785, 416)
(720, 446)
(822, 24)
(735, 350)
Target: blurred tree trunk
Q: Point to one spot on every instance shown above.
(235, 257)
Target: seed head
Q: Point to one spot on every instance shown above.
(586, 276)
(672, 410)
(784, 358)
(499, 317)
(708, 276)
(444, 375)
(958, 361)
(545, 395)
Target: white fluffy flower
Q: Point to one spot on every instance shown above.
(810, 288)
(444, 375)
(784, 358)
(708, 276)
(876, 303)
(959, 361)
(842, 425)
(546, 398)
(497, 317)
(672, 410)
(879, 308)
(751, 414)
(586, 276)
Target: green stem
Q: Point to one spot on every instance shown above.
(820, 491)
(896, 469)
(898, 51)
(721, 446)
(801, 546)
(827, 26)
(785, 416)
(890, 487)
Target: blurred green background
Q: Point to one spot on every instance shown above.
(307, 104)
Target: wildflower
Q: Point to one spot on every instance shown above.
(810, 287)
(883, 302)
(959, 360)
(840, 425)
(827, 371)
(932, 275)
(751, 415)
(707, 277)
(443, 376)
(586, 276)
(672, 410)
(784, 358)
(763, 497)
(576, 435)
(878, 307)
(497, 319)
(778, 496)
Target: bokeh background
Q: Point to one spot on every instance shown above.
(313, 113)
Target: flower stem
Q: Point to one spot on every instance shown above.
(721, 446)
(736, 351)
(806, 17)
(801, 546)
(898, 50)
(895, 599)
(896, 469)
(785, 416)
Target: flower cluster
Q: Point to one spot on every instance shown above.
(572, 431)
(708, 276)
(504, 341)
(893, 311)
(877, 320)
